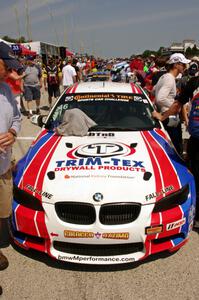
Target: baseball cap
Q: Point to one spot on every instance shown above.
(7, 55)
(178, 58)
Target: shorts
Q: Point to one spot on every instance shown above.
(53, 90)
(32, 93)
(6, 194)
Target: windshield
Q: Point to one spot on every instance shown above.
(109, 111)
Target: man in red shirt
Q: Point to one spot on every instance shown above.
(137, 63)
(14, 80)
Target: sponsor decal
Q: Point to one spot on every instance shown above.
(98, 163)
(94, 259)
(100, 97)
(68, 98)
(102, 134)
(102, 150)
(176, 224)
(153, 229)
(138, 98)
(97, 235)
(66, 176)
(78, 234)
(157, 194)
(100, 156)
(116, 235)
(36, 191)
(99, 176)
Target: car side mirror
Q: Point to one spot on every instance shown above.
(38, 120)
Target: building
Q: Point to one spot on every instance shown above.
(183, 46)
(177, 47)
(46, 49)
(43, 48)
(189, 44)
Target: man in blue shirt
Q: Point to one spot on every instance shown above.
(10, 122)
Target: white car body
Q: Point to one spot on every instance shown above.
(104, 171)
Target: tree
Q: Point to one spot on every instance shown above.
(195, 50)
(21, 39)
(159, 52)
(192, 51)
(146, 53)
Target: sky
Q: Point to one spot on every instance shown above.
(106, 28)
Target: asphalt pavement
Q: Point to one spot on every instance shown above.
(33, 275)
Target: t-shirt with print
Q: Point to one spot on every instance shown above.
(68, 73)
(32, 76)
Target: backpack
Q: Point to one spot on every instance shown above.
(52, 75)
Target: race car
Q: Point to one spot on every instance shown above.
(98, 76)
(115, 195)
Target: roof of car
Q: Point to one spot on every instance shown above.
(104, 87)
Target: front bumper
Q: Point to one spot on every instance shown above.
(101, 244)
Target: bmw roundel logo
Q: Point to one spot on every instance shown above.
(98, 197)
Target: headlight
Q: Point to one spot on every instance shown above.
(26, 199)
(172, 200)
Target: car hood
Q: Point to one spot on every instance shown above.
(131, 166)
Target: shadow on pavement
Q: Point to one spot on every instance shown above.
(44, 258)
(196, 230)
(45, 107)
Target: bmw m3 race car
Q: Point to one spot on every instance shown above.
(116, 195)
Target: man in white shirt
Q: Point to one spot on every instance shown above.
(165, 94)
(69, 74)
(165, 89)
